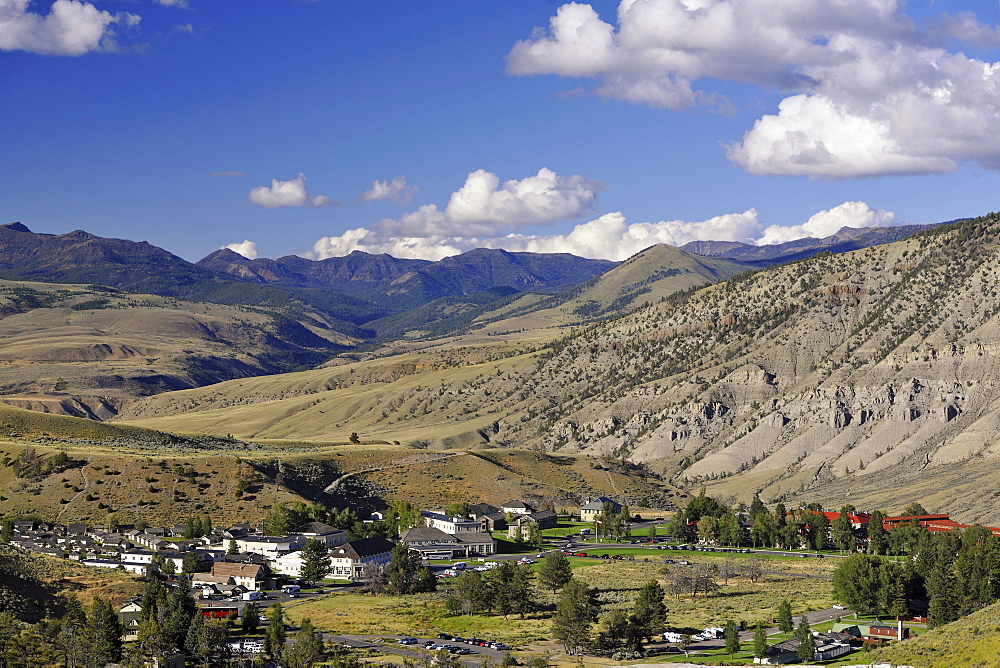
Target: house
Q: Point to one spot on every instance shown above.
(129, 613)
(479, 510)
(326, 534)
(546, 519)
(876, 631)
(494, 521)
(452, 525)
(594, 507)
(516, 507)
(350, 559)
(270, 546)
(251, 576)
(288, 564)
(436, 544)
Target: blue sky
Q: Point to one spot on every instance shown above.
(594, 128)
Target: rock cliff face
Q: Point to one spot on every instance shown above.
(838, 366)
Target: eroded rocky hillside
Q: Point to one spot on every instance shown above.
(871, 373)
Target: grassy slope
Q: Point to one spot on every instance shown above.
(83, 350)
(971, 642)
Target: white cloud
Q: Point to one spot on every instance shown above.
(71, 28)
(173, 3)
(286, 193)
(871, 91)
(828, 222)
(395, 191)
(609, 237)
(247, 249)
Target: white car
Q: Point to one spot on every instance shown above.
(838, 606)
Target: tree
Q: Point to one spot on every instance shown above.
(941, 588)
(250, 621)
(458, 509)
(179, 610)
(316, 563)
(754, 569)
(785, 616)
(306, 648)
(274, 637)
(206, 639)
(354, 437)
(807, 644)
(7, 530)
(878, 538)
(759, 642)
(404, 567)
(842, 531)
(102, 633)
(818, 528)
(576, 611)
(472, 591)
(911, 509)
(860, 580)
(233, 548)
(190, 562)
(614, 625)
(727, 569)
(425, 582)
(555, 571)
(732, 636)
(730, 530)
(649, 610)
(762, 531)
(652, 532)
(511, 587)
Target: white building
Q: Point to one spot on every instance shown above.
(452, 525)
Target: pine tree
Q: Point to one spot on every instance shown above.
(732, 636)
(878, 538)
(785, 616)
(576, 611)
(180, 609)
(103, 633)
(650, 610)
(316, 563)
(274, 637)
(843, 532)
(759, 642)
(306, 648)
(250, 621)
(555, 571)
(807, 644)
(233, 548)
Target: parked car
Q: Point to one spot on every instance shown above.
(444, 636)
(838, 606)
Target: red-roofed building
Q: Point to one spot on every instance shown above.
(858, 520)
(933, 523)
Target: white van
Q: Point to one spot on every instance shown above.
(252, 596)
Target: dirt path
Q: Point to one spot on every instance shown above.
(83, 472)
(409, 461)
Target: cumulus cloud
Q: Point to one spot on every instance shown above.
(395, 191)
(869, 90)
(247, 249)
(286, 193)
(482, 207)
(609, 237)
(828, 222)
(71, 28)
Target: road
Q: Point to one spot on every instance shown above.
(415, 651)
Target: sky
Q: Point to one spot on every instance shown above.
(319, 127)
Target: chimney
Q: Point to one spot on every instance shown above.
(899, 629)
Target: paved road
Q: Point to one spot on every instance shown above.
(415, 651)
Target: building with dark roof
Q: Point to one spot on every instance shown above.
(350, 559)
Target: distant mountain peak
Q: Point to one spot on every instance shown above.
(18, 227)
